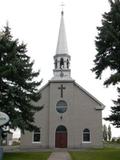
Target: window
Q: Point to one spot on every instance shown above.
(61, 129)
(61, 106)
(36, 136)
(86, 135)
(61, 63)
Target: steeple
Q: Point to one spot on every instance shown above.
(62, 41)
(62, 59)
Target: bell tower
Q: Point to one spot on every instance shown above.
(62, 59)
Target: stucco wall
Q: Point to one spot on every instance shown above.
(81, 113)
(85, 115)
(41, 119)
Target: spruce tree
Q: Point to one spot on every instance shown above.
(114, 118)
(18, 86)
(108, 45)
(108, 53)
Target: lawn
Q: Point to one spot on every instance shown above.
(97, 154)
(26, 156)
(90, 154)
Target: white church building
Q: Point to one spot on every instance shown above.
(71, 117)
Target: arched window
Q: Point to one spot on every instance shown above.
(37, 136)
(61, 106)
(61, 129)
(61, 63)
(86, 135)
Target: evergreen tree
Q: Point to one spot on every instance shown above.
(114, 118)
(18, 87)
(108, 53)
(105, 133)
(109, 133)
(108, 44)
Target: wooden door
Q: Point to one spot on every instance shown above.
(61, 140)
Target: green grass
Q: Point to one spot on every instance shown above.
(90, 154)
(97, 154)
(26, 156)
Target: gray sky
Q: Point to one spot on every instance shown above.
(36, 22)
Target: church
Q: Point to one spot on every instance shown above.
(71, 117)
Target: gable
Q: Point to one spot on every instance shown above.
(45, 91)
(99, 105)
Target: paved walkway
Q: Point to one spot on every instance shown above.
(59, 155)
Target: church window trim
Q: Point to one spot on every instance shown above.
(61, 106)
(36, 136)
(86, 136)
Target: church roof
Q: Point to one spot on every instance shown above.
(62, 41)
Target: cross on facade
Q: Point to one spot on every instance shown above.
(61, 89)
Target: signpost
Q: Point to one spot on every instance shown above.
(4, 118)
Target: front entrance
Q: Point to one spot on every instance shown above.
(61, 137)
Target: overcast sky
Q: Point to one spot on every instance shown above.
(36, 22)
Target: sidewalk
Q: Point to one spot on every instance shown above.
(59, 155)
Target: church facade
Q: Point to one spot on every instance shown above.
(71, 117)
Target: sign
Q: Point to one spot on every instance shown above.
(4, 118)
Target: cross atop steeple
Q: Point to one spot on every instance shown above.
(62, 6)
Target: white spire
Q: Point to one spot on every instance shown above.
(62, 42)
(62, 59)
